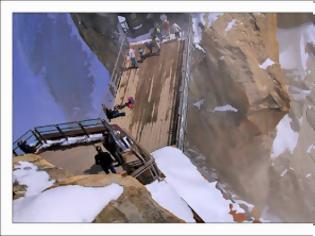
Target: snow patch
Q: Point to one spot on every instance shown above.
(293, 42)
(198, 19)
(166, 196)
(71, 203)
(226, 107)
(199, 103)
(268, 62)
(203, 197)
(230, 25)
(286, 138)
(283, 172)
(308, 175)
(26, 173)
(199, 48)
(73, 140)
(310, 148)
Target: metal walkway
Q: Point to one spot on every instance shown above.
(137, 161)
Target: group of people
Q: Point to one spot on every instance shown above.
(153, 45)
(106, 159)
(115, 112)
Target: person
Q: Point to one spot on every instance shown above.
(133, 58)
(141, 53)
(112, 113)
(130, 103)
(111, 146)
(176, 30)
(166, 28)
(149, 45)
(159, 33)
(105, 160)
(156, 45)
(25, 147)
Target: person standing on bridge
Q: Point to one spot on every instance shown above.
(105, 160)
(132, 56)
(166, 28)
(176, 30)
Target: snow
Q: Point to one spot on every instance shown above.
(26, 173)
(203, 197)
(298, 93)
(286, 138)
(73, 140)
(292, 44)
(200, 48)
(199, 18)
(70, 203)
(283, 172)
(310, 148)
(199, 103)
(226, 107)
(308, 175)
(268, 62)
(166, 196)
(230, 25)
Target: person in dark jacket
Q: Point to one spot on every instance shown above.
(25, 147)
(105, 160)
(112, 113)
(110, 144)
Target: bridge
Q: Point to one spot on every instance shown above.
(160, 88)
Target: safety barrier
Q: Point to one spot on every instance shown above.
(119, 65)
(183, 90)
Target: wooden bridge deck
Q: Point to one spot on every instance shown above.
(154, 85)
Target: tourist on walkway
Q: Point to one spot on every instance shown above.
(105, 160)
(132, 56)
(156, 45)
(141, 53)
(112, 113)
(166, 28)
(111, 146)
(177, 30)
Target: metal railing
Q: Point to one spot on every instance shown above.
(183, 90)
(39, 136)
(119, 65)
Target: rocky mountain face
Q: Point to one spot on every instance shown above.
(237, 96)
(135, 204)
(100, 32)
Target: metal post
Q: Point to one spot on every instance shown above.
(40, 135)
(84, 130)
(61, 132)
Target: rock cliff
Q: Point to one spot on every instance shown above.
(135, 204)
(239, 84)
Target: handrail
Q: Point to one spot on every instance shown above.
(182, 112)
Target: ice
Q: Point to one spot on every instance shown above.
(224, 108)
(202, 196)
(26, 173)
(199, 103)
(286, 138)
(268, 62)
(230, 25)
(70, 203)
(166, 196)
